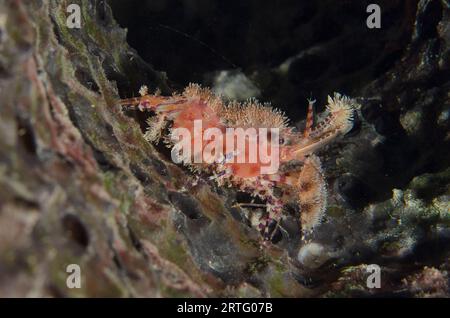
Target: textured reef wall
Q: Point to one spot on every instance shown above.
(80, 185)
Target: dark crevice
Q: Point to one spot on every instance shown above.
(75, 230)
(26, 135)
(187, 205)
(86, 80)
(141, 175)
(428, 19)
(134, 240)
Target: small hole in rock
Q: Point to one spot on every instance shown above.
(186, 204)
(141, 175)
(86, 80)
(75, 230)
(26, 135)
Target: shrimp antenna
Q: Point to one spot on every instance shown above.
(190, 37)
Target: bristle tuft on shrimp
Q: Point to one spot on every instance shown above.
(312, 193)
(253, 114)
(342, 109)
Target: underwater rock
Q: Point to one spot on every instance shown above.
(79, 184)
(430, 282)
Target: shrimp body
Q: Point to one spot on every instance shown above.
(208, 122)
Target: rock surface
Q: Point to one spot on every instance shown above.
(80, 185)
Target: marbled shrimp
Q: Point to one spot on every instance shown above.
(300, 176)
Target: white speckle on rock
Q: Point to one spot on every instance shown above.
(443, 117)
(234, 85)
(411, 121)
(313, 255)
